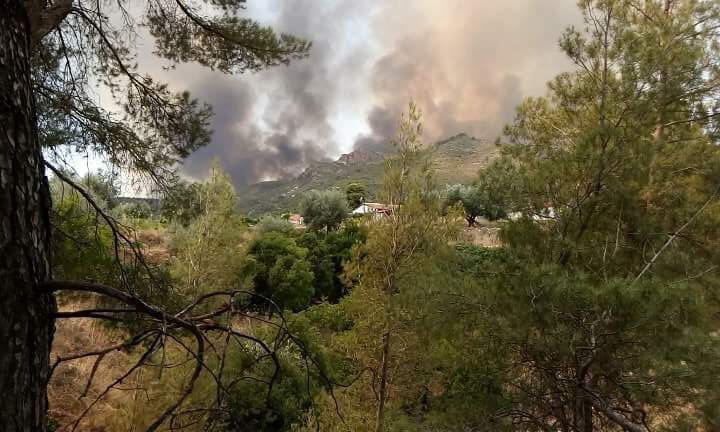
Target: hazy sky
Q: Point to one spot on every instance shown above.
(466, 63)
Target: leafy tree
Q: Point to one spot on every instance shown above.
(86, 251)
(575, 353)
(610, 148)
(103, 186)
(324, 210)
(469, 197)
(600, 318)
(279, 271)
(181, 202)
(495, 185)
(135, 210)
(481, 199)
(355, 194)
(328, 254)
(80, 251)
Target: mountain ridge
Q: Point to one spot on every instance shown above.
(456, 159)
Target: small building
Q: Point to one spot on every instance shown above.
(546, 213)
(376, 209)
(296, 219)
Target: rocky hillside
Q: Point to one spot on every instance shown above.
(456, 159)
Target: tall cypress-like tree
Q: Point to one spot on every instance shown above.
(50, 54)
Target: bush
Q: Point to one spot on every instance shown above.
(275, 224)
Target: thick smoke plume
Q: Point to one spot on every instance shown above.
(465, 63)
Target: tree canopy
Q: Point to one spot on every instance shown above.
(324, 209)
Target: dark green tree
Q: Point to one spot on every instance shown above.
(575, 354)
(328, 253)
(624, 148)
(279, 270)
(613, 296)
(355, 194)
(52, 53)
(469, 197)
(277, 224)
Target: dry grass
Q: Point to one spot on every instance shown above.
(69, 381)
(482, 236)
(155, 243)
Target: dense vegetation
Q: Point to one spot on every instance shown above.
(599, 312)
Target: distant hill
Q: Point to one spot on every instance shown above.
(456, 160)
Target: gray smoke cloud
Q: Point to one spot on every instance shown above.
(274, 123)
(466, 63)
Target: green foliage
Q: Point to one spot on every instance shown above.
(636, 345)
(251, 407)
(279, 271)
(209, 252)
(103, 186)
(610, 149)
(52, 425)
(355, 194)
(272, 223)
(327, 254)
(79, 251)
(395, 275)
(84, 247)
(294, 270)
(486, 198)
(308, 371)
(599, 317)
(324, 210)
(469, 197)
(181, 202)
(135, 210)
(226, 43)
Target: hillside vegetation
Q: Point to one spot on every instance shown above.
(456, 160)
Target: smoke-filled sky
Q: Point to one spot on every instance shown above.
(466, 63)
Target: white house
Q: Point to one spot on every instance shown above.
(376, 209)
(547, 213)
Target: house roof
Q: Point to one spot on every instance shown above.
(295, 218)
(369, 207)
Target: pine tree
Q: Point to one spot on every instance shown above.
(390, 269)
(612, 317)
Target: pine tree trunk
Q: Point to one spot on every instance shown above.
(25, 327)
(583, 412)
(584, 416)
